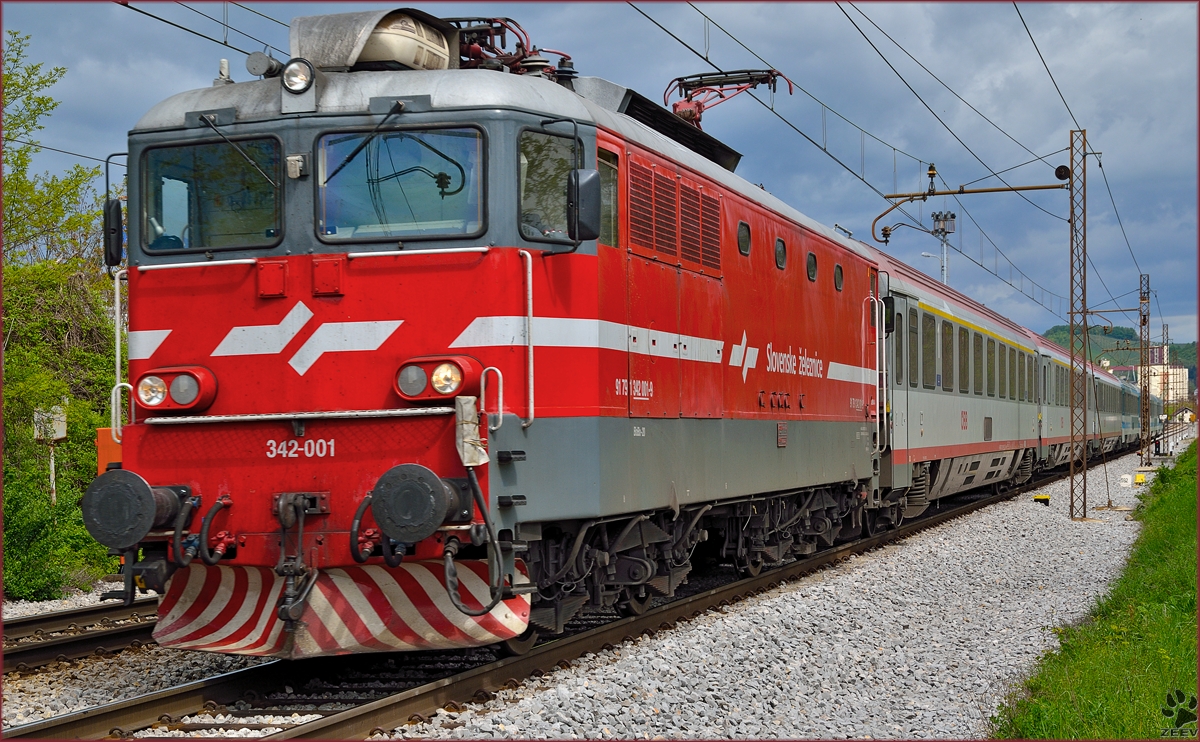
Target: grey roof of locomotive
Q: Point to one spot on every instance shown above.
(347, 93)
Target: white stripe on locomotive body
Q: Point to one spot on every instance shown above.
(570, 332)
(143, 343)
(340, 337)
(854, 374)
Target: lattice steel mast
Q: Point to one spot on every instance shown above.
(1144, 363)
(1078, 323)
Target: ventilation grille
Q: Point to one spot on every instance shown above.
(665, 230)
(641, 206)
(710, 233)
(689, 224)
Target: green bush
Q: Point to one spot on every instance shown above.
(57, 345)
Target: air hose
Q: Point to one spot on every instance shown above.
(211, 558)
(184, 558)
(495, 578)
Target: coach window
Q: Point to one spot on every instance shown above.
(780, 254)
(837, 281)
(928, 350)
(977, 360)
(812, 266)
(1015, 365)
(1043, 389)
(743, 238)
(964, 360)
(1002, 377)
(899, 343)
(913, 348)
(947, 356)
(1020, 376)
(1027, 372)
(991, 367)
(609, 162)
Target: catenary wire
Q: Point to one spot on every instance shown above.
(956, 95)
(62, 151)
(1037, 158)
(231, 28)
(261, 15)
(1048, 72)
(939, 118)
(1099, 161)
(182, 28)
(868, 184)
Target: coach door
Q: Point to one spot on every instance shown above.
(895, 469)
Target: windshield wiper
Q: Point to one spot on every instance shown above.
(242, 152)
(396, 108)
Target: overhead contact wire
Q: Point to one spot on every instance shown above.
(939, 118)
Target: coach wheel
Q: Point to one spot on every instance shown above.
(519, 645)
(751, 565)
(632, 605)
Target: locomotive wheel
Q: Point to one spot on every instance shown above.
(750, 567)
(631, 605)
(871, 525)
(519, 645)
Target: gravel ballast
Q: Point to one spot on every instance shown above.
(919, 639)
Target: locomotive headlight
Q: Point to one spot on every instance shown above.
(298, 76)
(152, 391)
(412, 380)
(184, 389)
(447, 378)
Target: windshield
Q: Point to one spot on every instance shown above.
(413, 183)
(204, 196)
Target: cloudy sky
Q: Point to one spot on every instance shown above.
(1128, 73)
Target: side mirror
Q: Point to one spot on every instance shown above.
(889, 315)
(114, 232)
(583, 205)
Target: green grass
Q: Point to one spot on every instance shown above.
(1111, 677)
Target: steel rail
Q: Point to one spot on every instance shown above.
(425, 700)
(89, 633)
(123, 717)
(141, 711)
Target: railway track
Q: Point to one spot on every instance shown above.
(33, 641)
(351, 697)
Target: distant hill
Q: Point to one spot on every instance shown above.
(1183, 354)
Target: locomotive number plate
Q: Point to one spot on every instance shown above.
(310, 448)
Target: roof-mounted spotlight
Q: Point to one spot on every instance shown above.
(260, 65)
(298, 76)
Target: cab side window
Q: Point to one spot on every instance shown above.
(609, 164)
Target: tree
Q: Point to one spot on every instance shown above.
(57, 344)
(45, 216)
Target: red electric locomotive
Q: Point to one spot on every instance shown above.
(436, 345)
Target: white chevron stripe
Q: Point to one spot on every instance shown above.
(143, 343)
(333, 337)
(258, 340)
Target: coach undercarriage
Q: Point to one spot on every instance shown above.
(623, 562)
